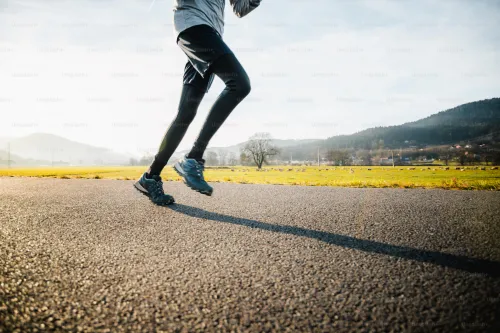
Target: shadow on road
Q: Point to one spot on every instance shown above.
(488, 267)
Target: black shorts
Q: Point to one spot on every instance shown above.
(203, 46)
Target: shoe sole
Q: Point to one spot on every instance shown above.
(179, 171)
(142, 190)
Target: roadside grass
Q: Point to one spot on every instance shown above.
(376, 176)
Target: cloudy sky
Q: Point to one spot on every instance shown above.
(108, 72)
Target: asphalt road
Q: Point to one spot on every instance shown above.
(97, 256)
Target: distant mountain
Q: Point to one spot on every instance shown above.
(3, 142)
(474, 114)
(462, 123)
(16, 161)
(48, 149)
(472, 122)
(53, 148)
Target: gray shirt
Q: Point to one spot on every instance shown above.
(188, 13)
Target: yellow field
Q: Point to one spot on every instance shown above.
(468, 178)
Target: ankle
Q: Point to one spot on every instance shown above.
(155, 169)
(150, 175)
(194, 156)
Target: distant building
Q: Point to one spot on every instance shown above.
(385, 161)
(397, 161)
(405, 160)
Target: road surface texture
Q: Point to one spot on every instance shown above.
(97, 256)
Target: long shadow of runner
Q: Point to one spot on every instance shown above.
(491, 268)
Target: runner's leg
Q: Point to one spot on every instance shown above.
(229, 69)
(190, 100)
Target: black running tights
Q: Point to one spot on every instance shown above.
(229, 70)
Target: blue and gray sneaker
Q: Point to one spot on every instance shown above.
(192, 172)
(153, 188)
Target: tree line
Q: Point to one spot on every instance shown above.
(259, 151)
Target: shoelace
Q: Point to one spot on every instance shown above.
(199, 168)
(158, 188)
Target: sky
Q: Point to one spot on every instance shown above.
(108, 72)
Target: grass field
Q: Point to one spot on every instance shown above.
(468, 178)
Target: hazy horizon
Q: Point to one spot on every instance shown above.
(5, 139)
(109, 74)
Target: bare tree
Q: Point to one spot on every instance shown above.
(462, 158)
(132, 162)
(486, 158)
(446, 156)
(496, 158)
(222, 156)
(145, 160)
(365, 157)
(244, 158)
(339, 157)
(232, 159)
(259, 148)
(212, 158)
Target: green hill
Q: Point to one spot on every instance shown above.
(462, 123)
